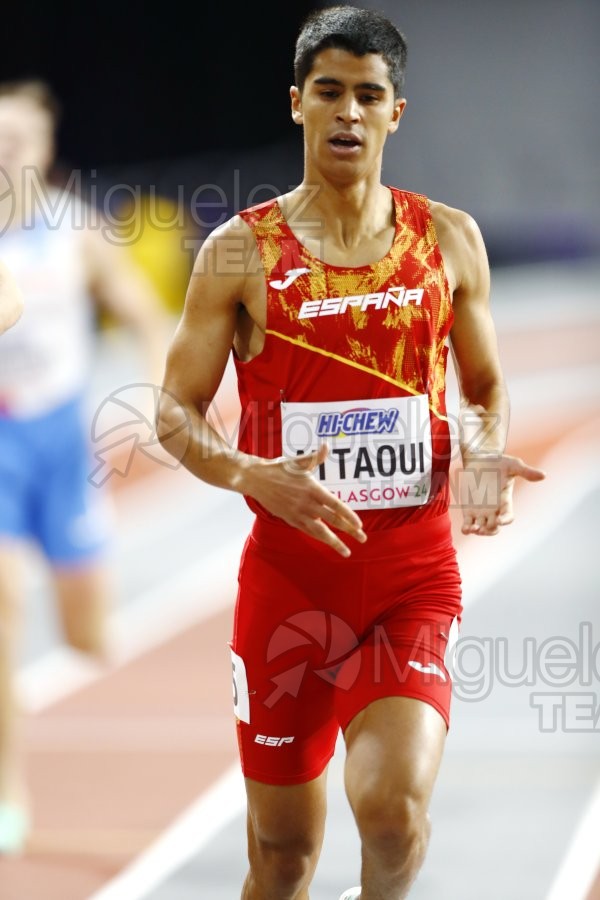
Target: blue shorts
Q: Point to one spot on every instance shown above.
(45, 463)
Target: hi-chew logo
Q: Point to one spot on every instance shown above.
(357, 421)
(336, 306)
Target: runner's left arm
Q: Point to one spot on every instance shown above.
(487, 480)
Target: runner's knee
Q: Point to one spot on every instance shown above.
(284, 863)
(393, 827)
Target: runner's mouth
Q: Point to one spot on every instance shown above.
(345, 140)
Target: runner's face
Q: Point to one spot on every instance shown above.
(347, 108)
(25, 137)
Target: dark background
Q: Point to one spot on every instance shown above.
(142, 83)
(502, 115)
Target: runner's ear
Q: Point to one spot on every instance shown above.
(296, 98)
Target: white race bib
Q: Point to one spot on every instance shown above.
(379, 450)
(241, 695)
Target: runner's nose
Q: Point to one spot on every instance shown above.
(349, 110)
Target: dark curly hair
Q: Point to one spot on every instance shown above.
(359, 31)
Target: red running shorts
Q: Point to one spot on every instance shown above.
(318, 637)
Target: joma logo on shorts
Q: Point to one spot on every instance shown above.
(337, 306)
(269, 741)
(430, 669)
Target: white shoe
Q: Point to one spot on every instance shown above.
(14, 829)
(351, 894)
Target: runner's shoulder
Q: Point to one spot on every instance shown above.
(227, 252)
(461, 243)
(453, 224)
(229, 235)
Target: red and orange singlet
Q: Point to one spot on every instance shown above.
(355, 357)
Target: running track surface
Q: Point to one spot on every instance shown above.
(116, 754)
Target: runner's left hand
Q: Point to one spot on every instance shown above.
(486, 491)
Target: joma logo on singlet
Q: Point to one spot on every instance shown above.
(337, 306)
(357, 421)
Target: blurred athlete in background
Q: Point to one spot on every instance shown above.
(64, 263)
(11, 300)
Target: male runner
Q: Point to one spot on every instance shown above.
(340, 300)
(62, 261)
(11, 300)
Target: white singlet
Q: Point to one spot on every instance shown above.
(45, 357)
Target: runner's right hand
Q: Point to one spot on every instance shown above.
(286, 489)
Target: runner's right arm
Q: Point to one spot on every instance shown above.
(222, 283)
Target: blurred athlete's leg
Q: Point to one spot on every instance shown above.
(13, 792)
(73, 525)
(84, 599)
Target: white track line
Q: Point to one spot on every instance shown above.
(211, 812)
(538, 517)
(580, 865)
(540, 509)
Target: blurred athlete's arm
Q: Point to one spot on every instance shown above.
(11, 299)
(121, 287)
(488, 477)
(221, 285)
